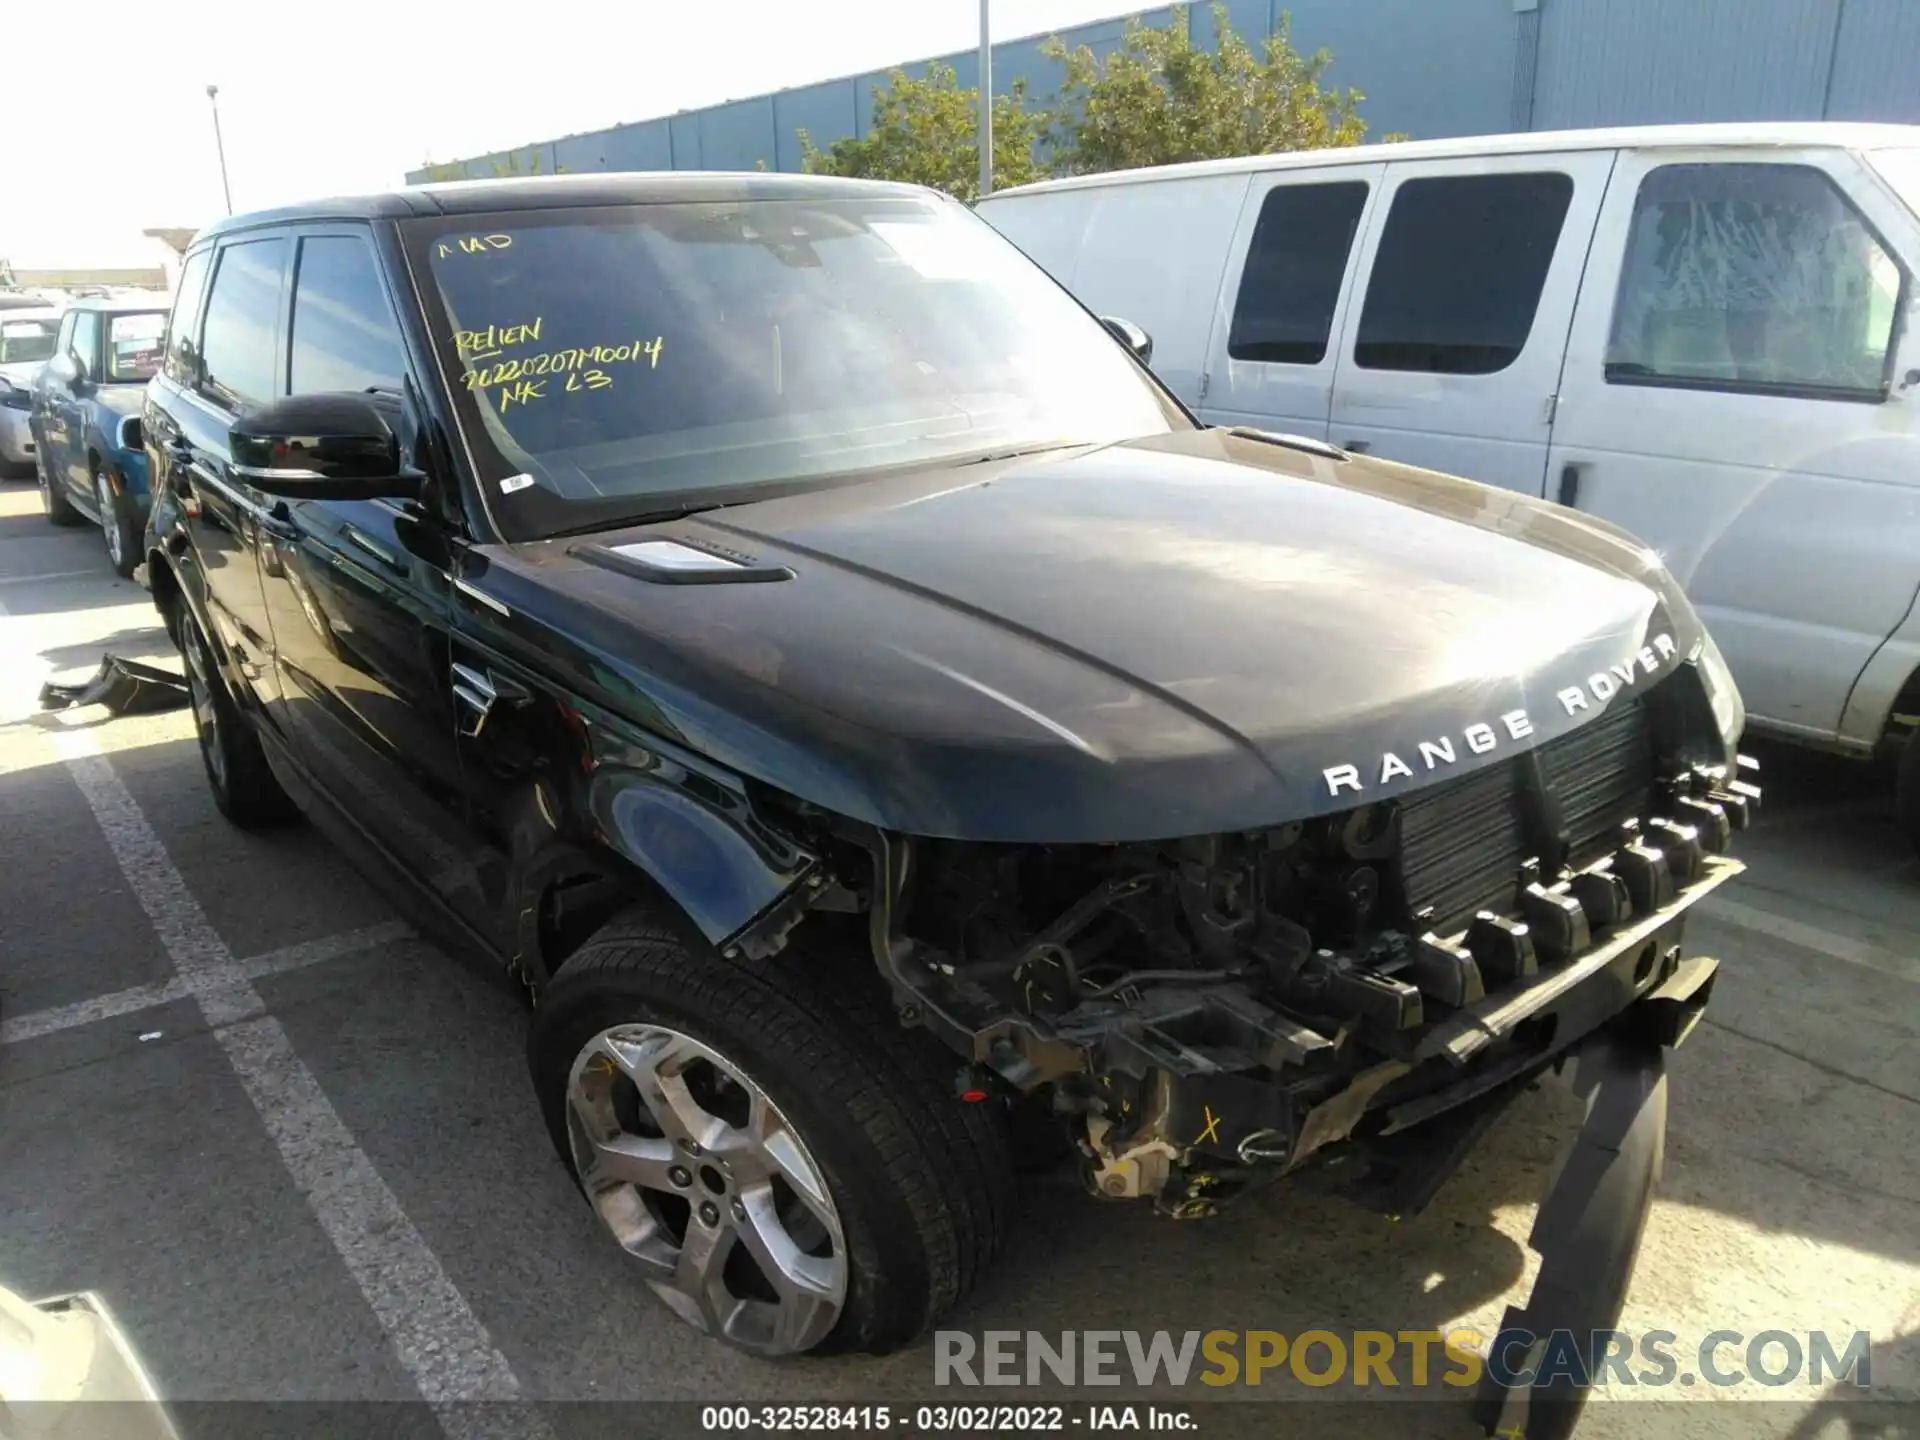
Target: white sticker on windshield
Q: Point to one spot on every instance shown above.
(513, 484)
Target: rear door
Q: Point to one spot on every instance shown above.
(1451, 357)
(1288, 275)
(234, 360)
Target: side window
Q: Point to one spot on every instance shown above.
(1295, 262)
(344, 334)
(236, 343)
(1753, 277)
(180, 349)
(1459, 270)
(86, 341)
(64, 341)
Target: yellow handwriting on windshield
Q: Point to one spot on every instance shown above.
(522, 392)
(485, 344)
(472, 245)
(564, 362)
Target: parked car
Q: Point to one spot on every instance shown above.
(91, 460)
(26, 340)
(797, 642)
(1699, 333)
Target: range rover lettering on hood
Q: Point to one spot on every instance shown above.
(1484, 737)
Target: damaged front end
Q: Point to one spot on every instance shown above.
(1210, 1013)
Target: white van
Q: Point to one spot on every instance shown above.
(1705, 334)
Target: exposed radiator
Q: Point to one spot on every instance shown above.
(1462, 843)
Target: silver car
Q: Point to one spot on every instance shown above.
(26, 343)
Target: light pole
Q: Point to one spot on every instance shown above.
(213, 99)
(986, 106)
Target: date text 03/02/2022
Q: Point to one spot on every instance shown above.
(946, 1419)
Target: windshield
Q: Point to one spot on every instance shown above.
(133, 345)
(616, 362)
(1900, 169)
(27, 340)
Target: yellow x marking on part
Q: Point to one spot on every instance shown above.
(1212, 1132)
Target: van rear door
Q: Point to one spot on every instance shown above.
(1452, 351)
(1271, 355)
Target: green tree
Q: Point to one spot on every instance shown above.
(1160, 99)
(925, 131)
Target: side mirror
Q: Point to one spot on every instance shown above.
(65, 367)
(1131, 336)
(321, 447)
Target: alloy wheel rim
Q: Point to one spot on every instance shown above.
(206, 719)
(109, 522)
(702, 1179)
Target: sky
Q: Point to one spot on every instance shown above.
(349, 95)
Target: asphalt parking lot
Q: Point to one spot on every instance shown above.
(293, 1145)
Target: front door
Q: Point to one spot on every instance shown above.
(357, 592)
(1273, 351)
(1452, 351)
(70, 401)
(1733, 396)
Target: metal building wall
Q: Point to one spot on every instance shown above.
(1427, 67)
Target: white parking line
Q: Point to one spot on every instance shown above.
(1812, 937)
(34, 1024)
(438, 1339)
(46, 575)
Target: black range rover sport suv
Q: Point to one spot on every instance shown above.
(876, 723)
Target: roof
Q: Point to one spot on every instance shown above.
(115, 304)
(1802, 134)
(545, 192)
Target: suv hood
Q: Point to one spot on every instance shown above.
(1190, 634)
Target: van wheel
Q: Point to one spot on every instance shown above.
(53, 497)
(1906, 787)
(789, 1169)
(117, 525)
(243, 785)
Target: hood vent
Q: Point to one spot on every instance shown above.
(675, 562)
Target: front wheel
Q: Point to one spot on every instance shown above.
(790, 1170)
(117, 525)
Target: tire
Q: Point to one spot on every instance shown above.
(118, 527)
(53, 497)
(918, 1182)
(1906, 788)
(244, 787)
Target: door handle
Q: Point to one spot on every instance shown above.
(1569, 495)
(1357, 447)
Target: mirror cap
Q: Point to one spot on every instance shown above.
(339, 436)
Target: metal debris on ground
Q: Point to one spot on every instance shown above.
(126, 687)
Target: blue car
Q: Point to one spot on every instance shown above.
(91, 460)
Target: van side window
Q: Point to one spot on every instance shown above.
(1295, 263)
(1759, 278)
(181, 366)
(86, 342)
(237, 343)
(1459, 270)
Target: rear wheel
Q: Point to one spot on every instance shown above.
(789, 1168)
(117, 524)
(237, 772)
(53, 496)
